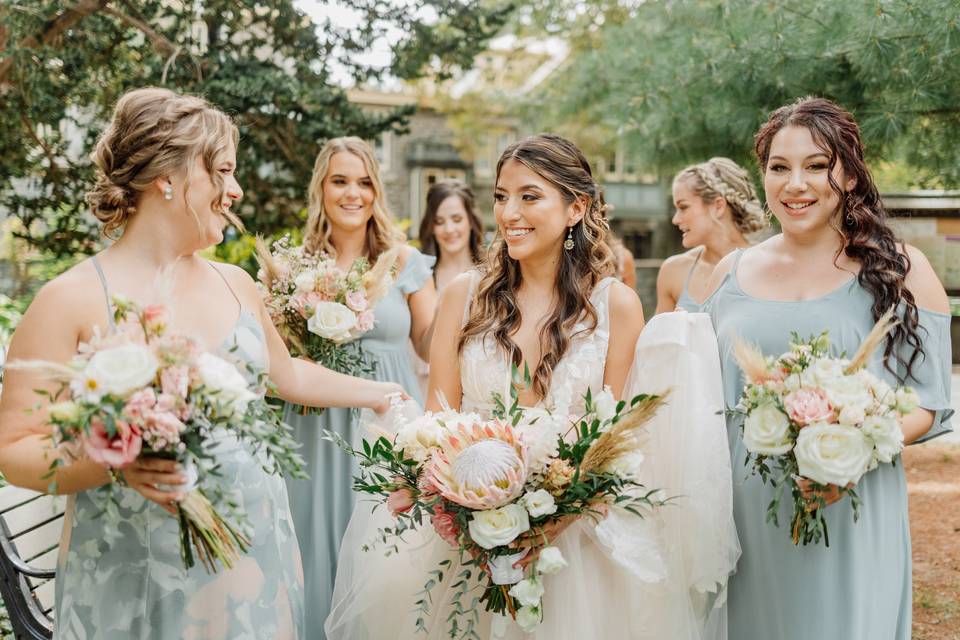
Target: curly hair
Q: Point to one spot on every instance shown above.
(724, 178)
(494, 310)
(436, 195)
(382, 234)
(867, 236)
(153, 133)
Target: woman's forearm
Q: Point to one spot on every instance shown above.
(26, 463)
(315, 386)
(915, 424)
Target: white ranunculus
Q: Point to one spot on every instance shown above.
(849, 392)
(852, 415)
(122, 370)
(766, 431)
(906, 400)
(417, 437)
(528, 618)
(626, 466)
(550, 561)
(333, 321)
(222, 378)
(539, 503)
(886, 435)
(833, 453)
(306, 281)
(527, 592)
(498, 527)
(605, 405)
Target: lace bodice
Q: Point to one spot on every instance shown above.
(485, 368)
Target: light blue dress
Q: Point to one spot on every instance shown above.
(323, 504)
(136, 588)
(685, 301)
(859, 587)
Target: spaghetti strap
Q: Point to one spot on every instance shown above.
(466, 305)
(686, 283)
(224, 278)
(106, 290)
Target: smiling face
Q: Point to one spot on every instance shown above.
(348, 192)
(695, 218)
(531, 213)
(451, 226)
(205, 201)
(796, 181)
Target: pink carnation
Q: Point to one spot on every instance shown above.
(806, 406)
(140, 403)
(365, 320)
(175, 381)
(357, 300)
(305, 303)
(116, 452)
(445, 524)
(165, 423)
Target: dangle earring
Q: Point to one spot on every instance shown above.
(568, 243)
(168, 193)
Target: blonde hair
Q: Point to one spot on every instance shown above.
(154, 133)
(382, 234)
(724, 178)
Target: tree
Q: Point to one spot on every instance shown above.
(62, 69)
(683, 80)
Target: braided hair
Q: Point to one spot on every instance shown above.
(724, 178)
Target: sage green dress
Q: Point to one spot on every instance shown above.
(323, 504)
(134, 587)
(859, 587)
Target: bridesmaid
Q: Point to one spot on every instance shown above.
(165, 186)
(835, 266)
(623, 258)
(348, 218)
(716, 210)
(452, 231)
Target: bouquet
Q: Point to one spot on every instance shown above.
(317, 307)
(817, 422)
(145, 391)
(486, 485)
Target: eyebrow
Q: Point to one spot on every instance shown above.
(340, 175)
(812, 155)
(526, 186)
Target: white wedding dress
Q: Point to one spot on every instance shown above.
(662, 577)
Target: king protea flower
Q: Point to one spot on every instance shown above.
(480, 466)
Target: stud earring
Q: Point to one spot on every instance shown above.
(168, 193)
(568, 243)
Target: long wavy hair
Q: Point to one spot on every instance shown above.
(494, 310)
(436, 194)
(382, 234)
(861, 218)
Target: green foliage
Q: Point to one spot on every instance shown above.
(62, 69)
(683, 81)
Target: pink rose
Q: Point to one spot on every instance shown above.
(400, 501)
(116, 452)
(445, 525)
(175, 381)
(357, 300)
(140, 403)
(806, 406)
(365, 320)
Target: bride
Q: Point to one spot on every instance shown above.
(549, 302)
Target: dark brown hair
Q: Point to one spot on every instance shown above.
(438, 192)
(494, 310)
(862, 220)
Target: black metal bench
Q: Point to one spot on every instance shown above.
(30, 528)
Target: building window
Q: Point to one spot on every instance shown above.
(383, 148)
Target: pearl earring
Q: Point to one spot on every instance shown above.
(168, 193)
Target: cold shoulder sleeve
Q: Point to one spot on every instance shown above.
(416, 270)
(932, 371)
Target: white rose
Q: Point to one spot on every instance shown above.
(886, 435)
(550, 561)
(822, 371)
(833, 453)
(528, 618)
(605, 405)
(222, 378)
(498, 527)
(333, 321)
(306, 281)
(539, 503)
(849, 391)
(906, 400)
(766, 431)
(527, 592)
(626, 466)
(122, 370)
